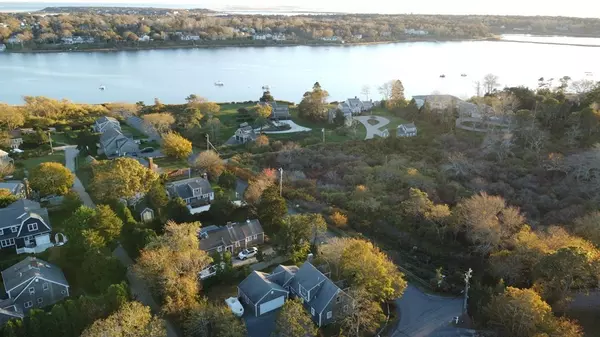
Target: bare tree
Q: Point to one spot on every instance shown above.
(478, 88)
(582, 86)
(490, 83)
(366, 91)
(386, 90)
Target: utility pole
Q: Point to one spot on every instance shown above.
(468, 276)
(280, 181)
(323, 131)
(207, 142)
(50, 138)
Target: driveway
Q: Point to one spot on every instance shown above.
(261, 326)
(71, 153)
(294, 128)
(373, 130)
(423, 315)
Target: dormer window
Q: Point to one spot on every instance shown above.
(31, 290)
(32, 227)
(303, 292)
(1, 231)
(14, 229)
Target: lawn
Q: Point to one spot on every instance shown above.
(60, 139)
(170, 164)
(394, 120)
(132, 132)
(30, 163)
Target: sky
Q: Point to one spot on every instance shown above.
(579, 8)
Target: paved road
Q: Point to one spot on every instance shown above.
(423, 315)
(71, 153)
(294, 128)
(139, 290)
(373, 130)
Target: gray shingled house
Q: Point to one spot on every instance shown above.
(192, 191)
(29, 284)
(114, 144)
(322, 298)
(406, 130)
(104, 123)
(232, 237)
(280, 111)
(26, 226)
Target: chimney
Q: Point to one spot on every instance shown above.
(309, 257)
(205, 176)
(151, 163)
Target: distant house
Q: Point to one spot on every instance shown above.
(358, 36)
(386, 34)
(26, 226)
(321, 297)
(332, 38)
(259, 37)
(114, 144)
(438, 103)
(104, 123)
(13, 40)
(192, 191)
(2, 47)
(406, 130)
(4, 158)
(355, 106)
(31, 284)
(16, 188)
(144, 38)
(332, 113)
(232, 237)
(279, 111)
(16, 139)
(190, 38)
(245, 134)
(279, 37)
(417, 32)
(67, 40)
(143, 211)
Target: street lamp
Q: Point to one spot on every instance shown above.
(280, 181)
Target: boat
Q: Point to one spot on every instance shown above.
(102, 88)
(442, 76)
(219, 84)
(463, 75)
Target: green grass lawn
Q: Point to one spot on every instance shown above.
(394, 120)
(60, 139)
(30, 163)
(171, 164)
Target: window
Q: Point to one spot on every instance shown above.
(14, 229)
(346, 308)
(312, 311)
(255, 237)
(338, 299)
(1, 231)
(27, 304)
(219, 249)
(31, 290)
(248, 239)
(8, 242)
(45, 286)
(40, 300)
(32, 227)
(63, 291)
(329, 315)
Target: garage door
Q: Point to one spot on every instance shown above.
(271, 305)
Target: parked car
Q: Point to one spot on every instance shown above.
(208, 272)
(247, 253)
(147, 150)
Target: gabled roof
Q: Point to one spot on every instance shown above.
(108, 135)
(20, 210)
(282, 275)
(257, 285)
(184, 188)
(229, 234)
(354, 102)
(19, 274)
(409, 126)
(308, 276)
(105, 119)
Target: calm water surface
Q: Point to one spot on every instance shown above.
(171, 75)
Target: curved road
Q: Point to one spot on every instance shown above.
(423, 315)
(373, 130)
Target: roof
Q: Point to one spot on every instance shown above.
(30, 268)
(14, 213)
(105, 119)
(257, 285)
(12, 185)
(108, 135)
(408, 126)
(283, 274)
(309, 277)
(229, 234)
(184, 188)
(354, 101)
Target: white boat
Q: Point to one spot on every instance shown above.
(102, 88)
(219, 84)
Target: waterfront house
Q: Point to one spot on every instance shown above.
(259, 37)
(415, 32)
(245, 133)
(279, 37)
(67, 40)
(194, 191)
(16, 139)
(31, 284)
(190, 38)
(330, 39)
(144, 38)
(232, 237)
(325, 301)
(406, 130)
(25, 226)
(104, 123)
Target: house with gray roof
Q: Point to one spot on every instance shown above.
(355, 106)
(104, 123)
(31, 284)
(114, 144)
(438, 103)
(25, 226)
(232, 237)
(322, 298)
(245, 133)
(279, 111)
(194, 191)
(406, 130)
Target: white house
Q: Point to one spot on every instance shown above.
(259, 37)
(333, 38)
(67, 40)
(407, 130)
(279, 37)
(145, 38)
(190, 38)
(415, 32)
(13, 40)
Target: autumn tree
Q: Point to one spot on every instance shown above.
(419, 207)
(176, 146)
(170, 264)
(210, 162)
(523, 313)
(159, 122)
(132, 320)
(11, 117)
(588, 227)
(297, 232)
(259, 184)
(209, 108)
(314, 104)
(339, 219)
(51, 178)
(294, 321)
(365, 316)
(120, 178)
(6, 197)
(263, 111)
(211, 320)
(262, 141)
(396, 98)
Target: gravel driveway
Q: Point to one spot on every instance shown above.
(373, 130)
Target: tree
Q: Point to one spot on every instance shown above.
(271, 210)
(523, 313)
(396, 99)
(228, 180)
(294, 321)
(297, 232)
(588, 227)
(210, 320)
(170, 264)
(365, 266)
(267, 97)
(177, 210)
(365, 316)
(159, 122)
(132, 320)
(213, 125)
(314, 104)
(262, 141)
(490, 83)
(209, 108)
(210, 162)
(366, 91)
(339, 119)
(222, 207)
(11, 117)
(176, 146)
(263, 111)
(51, 178)
(6, 197)
(157, 197)
(339, 219)
(107, 223)
(258, 185)
(120, 178)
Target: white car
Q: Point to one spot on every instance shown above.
(208, 272)
(247, 253)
